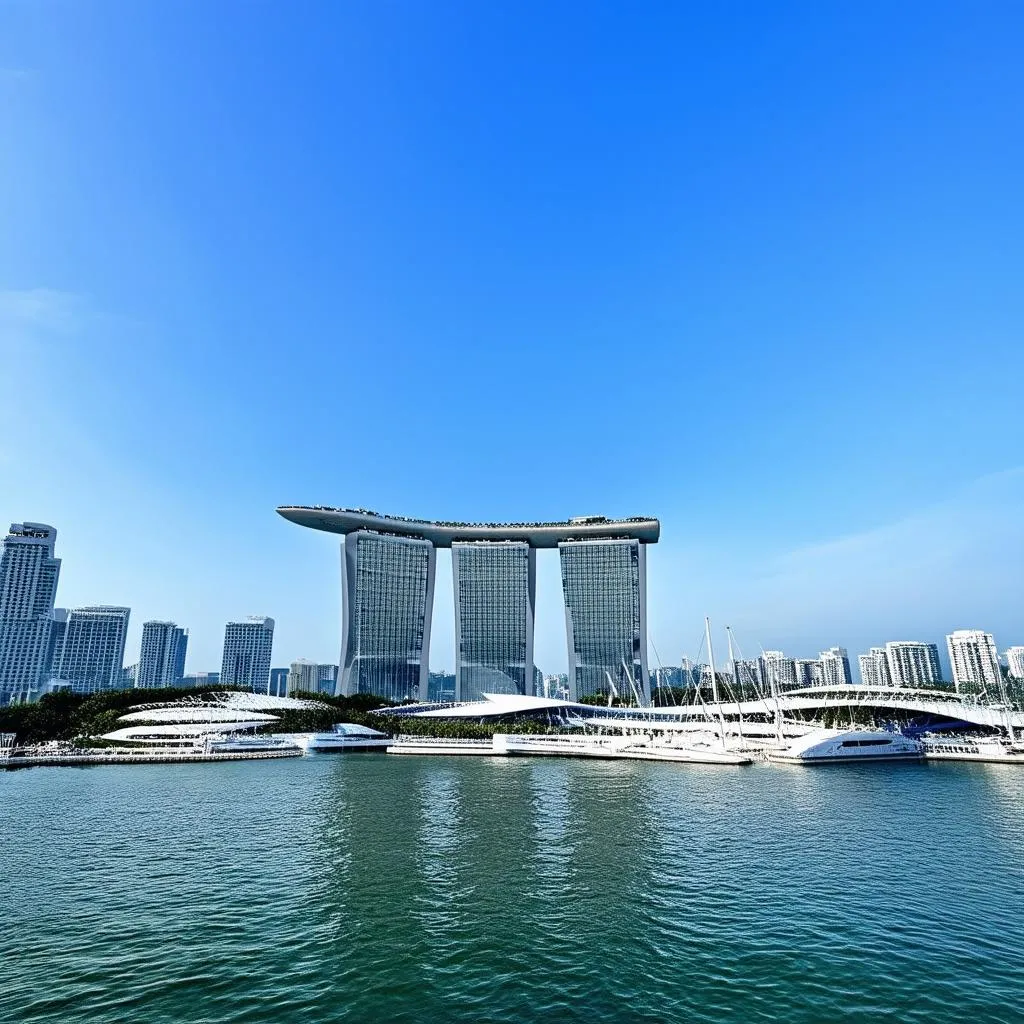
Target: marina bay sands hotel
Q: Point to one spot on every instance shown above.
(388, 565)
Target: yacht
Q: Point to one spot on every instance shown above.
(344, 736)
(833, 746)
(234, 743)
(989, 749)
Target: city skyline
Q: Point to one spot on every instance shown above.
(876, 665)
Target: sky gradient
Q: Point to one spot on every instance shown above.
(755, 270)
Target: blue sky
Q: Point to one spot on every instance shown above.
(754, 269)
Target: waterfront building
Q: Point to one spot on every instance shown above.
(835, 667)
(387, 596)
(779, 671)
(494, 584)
(92, 651)
(312, 677)
(247, 648)
(162, 655)
(808, 671)
(974, 662)
(912, 663)
(604, 583)
(1015, 662)
(874, 668)
(387, 602)
(28, 588)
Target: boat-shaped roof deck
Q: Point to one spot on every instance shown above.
(443, 534)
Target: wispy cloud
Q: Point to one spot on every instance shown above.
(39, 309)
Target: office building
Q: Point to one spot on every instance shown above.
(495, 585)
(779, 671)
(974, 662)
(1015, 662)
(913, 664)
(808, 672)
(92, 651)
(28, 587)
(387, 602)
(278, 682)
(604, 583)
(835, 667)
(162, 656)
(247, 648)
(874, 668)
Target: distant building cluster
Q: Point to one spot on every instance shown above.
(44, 648)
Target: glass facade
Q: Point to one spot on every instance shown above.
(495, 585)
(388, 597)
(604, 583)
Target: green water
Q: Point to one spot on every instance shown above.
(374, 888)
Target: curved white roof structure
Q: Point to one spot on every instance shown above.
(213, 715)
(176, 734)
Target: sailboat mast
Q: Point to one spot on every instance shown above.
(711, 659)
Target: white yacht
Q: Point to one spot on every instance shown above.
(694, 750)
(344, 736)
(236, 743)
(988, 749)
(832, 746)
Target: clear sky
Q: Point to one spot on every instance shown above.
(756, 269)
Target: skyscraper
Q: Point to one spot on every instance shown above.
(835, 667)
(92, 652)
(28, 587)
(495, 585)
(1015, 662)
(808, 671)
(312, 677)
(874, 668)
(779, 671)
(387, 601)
(604, 583)
(913, 664)
(975, 664)
(162, 656)
(247, 648)
(278, 682)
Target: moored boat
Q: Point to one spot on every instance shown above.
(836, 746)
(987, 749)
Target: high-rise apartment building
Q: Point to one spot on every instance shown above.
(913, 664)
(779, 671)
(92, 651)
(1015, 662)
(162, 656)
(495, 585)
(808, 671)
(247, 648)
(874, 668)
(974, 662)
(28, 587)
(604, 583)
(835, 667)
(312, 677)
(387, 602)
